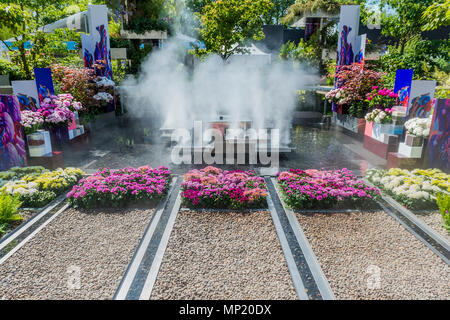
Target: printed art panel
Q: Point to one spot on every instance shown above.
(12, 144)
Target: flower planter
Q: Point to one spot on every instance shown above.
(410, 151)
(413, 140)
(59, 135)
(350, 123)
(381, 132)
(39, 144)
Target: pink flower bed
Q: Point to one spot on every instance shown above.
(325, 189)
(117, 188)
(211, 187)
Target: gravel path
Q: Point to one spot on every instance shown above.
(98, 242)
(353, 247)
(217, 255)
(434, 220)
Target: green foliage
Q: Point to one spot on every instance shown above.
(196, 6)
(405, 23)
(443, 202)
(303, 53)
(143, 24)
(11, 69)
(38, 199)
(443, 84)
(8, 208)
(228, 25)
(423, 56)
(436, 15)
(23, 19)
(300, 7)
(277, 12)
(16, 173)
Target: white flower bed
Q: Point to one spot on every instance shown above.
(418, 126)
(416, 189)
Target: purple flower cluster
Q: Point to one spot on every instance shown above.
(211, 187)
(117, 188)
(322, 189)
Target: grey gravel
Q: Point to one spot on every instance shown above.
(353, 247)
(223, 255)
(434, 220)
(25, 214)
(98, 242)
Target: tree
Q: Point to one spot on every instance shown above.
(23, 19)
(278, 10)
(402, 20)
(227, 25)
(437, 15)
(196, 6)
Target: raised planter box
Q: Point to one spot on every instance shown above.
(381, 132)
(39, 144)
(59, 136)
(410, 152)
(52, 161)
(396, 160)
(380, 148)
(355, 125)
(413, 141)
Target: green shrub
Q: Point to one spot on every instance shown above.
(443, 201)
(16, 173)
(3, 228)
(38, 199)
(11, 69)
(8, 208)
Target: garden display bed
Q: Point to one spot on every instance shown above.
(315, 189)
(212, 187)
(31, 189)
(100, 242)
(143, 186)
(353, 247)
(223, 255)
(415, 190)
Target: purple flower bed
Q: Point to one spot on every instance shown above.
(213, 188)
(117, 188)
(325, 189)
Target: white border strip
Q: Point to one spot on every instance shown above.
(157, 260)
(314, 266)
(292, 266)
(32, 221)
(22, 243)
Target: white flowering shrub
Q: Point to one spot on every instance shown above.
(416, 189)
(418, 126)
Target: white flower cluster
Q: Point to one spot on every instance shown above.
(377, 116)
(105, 96)
(20, 187)
(105, 82)
(414, 184)
(418, 126)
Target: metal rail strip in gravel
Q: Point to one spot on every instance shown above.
(423, 232)
(17, 238)
(140, 276)
(13, 246)
(309, 280)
